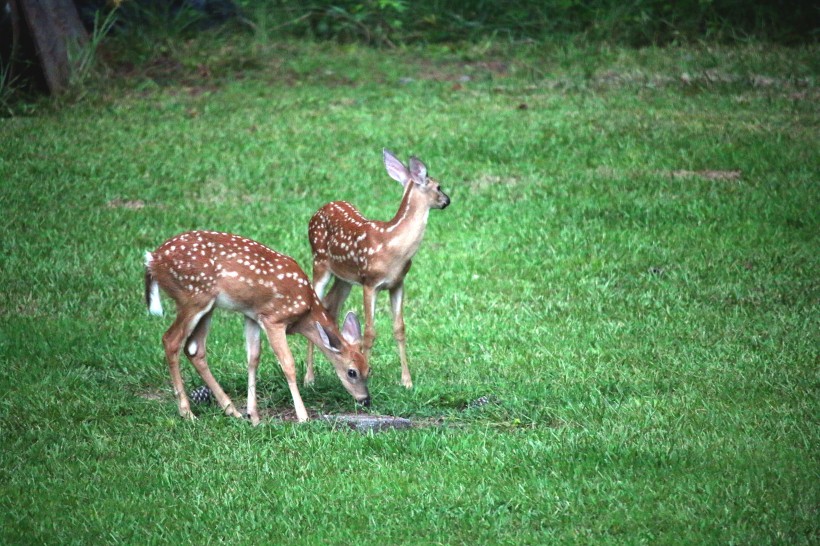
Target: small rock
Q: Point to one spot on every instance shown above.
(368, 423)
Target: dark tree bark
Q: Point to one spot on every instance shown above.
(56, 28)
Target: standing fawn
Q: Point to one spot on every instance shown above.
(201, 270)
(376, 255)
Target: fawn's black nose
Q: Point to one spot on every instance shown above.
(365, 402)
(446, 202)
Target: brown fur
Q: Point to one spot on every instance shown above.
(202, 270)
(377, 255)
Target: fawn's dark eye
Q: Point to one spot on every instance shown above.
(351, 373)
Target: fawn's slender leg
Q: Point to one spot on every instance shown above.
(369, 296)
(336, 298)
(321, 276)
(253, 345)
(195, 351)
(172, 340)
(278, 342)
(396, 301)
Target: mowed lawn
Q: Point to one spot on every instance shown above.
(613, 329)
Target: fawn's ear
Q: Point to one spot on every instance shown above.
(395, 168)
(352, 330)
(323, 335)
(418, 171)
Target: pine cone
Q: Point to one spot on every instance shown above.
(201, 395)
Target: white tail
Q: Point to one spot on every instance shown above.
(375, 254)
(152, 289)
(202, 270)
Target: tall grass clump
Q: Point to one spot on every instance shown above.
(7, 89)
(83, 58)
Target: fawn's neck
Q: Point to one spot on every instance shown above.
(307, 325)
(406, 229)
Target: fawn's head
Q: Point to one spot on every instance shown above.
(345, 353)
(429, 188)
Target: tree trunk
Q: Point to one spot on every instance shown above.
(57, 32)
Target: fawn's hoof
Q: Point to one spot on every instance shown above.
(231, 411)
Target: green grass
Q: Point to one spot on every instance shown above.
(629, 268)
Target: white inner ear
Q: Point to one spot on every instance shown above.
(349, 337)
(418, 171)
(325, 340)
(395, 168)
(351, 330)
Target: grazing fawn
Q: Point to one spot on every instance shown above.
(376, 255)
(202, 270)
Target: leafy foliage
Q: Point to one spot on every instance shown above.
(635, 22)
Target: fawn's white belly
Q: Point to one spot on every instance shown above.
(224, 301)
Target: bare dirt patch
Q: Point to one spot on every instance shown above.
(156, 395)
(460, 71)
(360, 422)
(490, 180)
(614, 78)
(25, 305)
(707, 174)
(118, 203)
